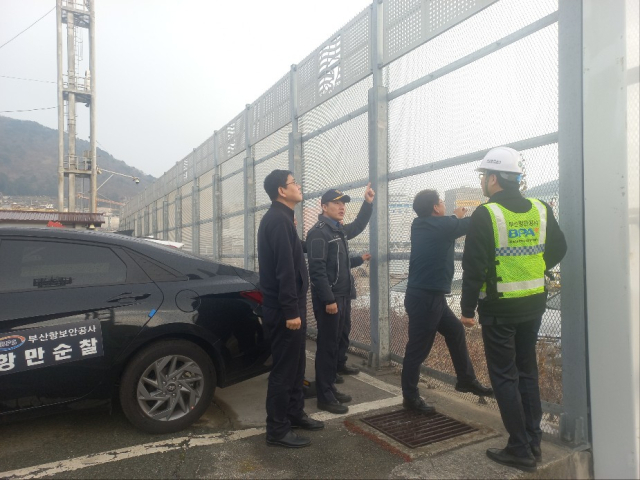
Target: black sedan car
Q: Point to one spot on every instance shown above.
(87, 317)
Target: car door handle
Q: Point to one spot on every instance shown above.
(129, 296)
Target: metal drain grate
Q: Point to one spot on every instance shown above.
(414, 429)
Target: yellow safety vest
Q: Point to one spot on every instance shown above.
(519, 242)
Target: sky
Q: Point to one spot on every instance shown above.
(168, 73)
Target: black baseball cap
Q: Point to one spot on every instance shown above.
(334, 196)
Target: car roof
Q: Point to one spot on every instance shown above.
(94, 236)
(173, 257)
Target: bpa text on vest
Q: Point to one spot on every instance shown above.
(522, 232)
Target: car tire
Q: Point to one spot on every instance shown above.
(167, 386)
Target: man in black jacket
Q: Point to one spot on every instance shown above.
(331, 288)
(284, 282)
(431, 268)
(511, 242)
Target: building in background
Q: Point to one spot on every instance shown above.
(31, 218)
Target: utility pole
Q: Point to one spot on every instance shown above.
(76, 14)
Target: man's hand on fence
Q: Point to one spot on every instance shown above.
(366, 257)
(460, 212)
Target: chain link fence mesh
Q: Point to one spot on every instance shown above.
(489, 80)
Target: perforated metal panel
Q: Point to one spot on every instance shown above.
(409, 23)
(257, 219)
(337, 157)
(171, 216)
(338, 107)
(455, 115)
(266, 148)
(271, 111)
(232, 251)
(206, 199)
(204, 156)
(230, 139)
(485, 28)
(232, 187)
(206, 239)
(187, 216)
(160, 218)
(337, 64)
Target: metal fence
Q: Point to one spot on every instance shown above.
(409, 95)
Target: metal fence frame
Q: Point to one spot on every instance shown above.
(366, 45)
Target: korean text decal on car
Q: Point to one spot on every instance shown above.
(47, 346)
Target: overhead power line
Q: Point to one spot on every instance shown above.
(12, 39)
(30, 110)
(26, 79)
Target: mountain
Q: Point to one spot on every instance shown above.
(29, 163)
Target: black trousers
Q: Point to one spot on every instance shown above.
(343, 346)
(330, 329)
(429, 314)
(285, 399)
(513, 368)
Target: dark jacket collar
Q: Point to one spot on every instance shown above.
(329, 221)
(504, 195)
(283, 208)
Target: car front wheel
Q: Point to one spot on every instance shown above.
(167, 386)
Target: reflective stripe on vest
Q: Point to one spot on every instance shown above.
(519, 247)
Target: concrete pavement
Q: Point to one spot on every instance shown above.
(229, 442)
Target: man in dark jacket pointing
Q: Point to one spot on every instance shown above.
(331, 287)
(431, 268)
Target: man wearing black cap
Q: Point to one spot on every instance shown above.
(284, 283)
(332, 286)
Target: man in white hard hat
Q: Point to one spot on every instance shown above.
(510, 244)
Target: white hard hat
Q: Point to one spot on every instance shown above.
(502, 159)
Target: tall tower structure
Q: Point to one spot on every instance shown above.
(73, 88)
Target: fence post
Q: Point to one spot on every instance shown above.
(610, 222)
(195, 215)
(165, 219)
(195, 206)
(295, 143)
(216, 223)
(249, 196)
(378, 175)
(573, 422)
(154, 219)
(178, 207)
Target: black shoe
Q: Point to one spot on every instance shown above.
(475, 387)
(347, 370)
(290, 440)
(502, 456)
(342, 397)
(339, 379)
(537, 452)
(305, 422)
(419, 405)
(333, 407)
